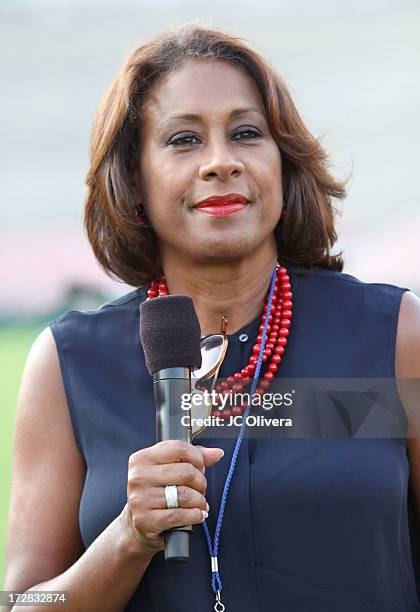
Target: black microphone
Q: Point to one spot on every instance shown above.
(170, 334)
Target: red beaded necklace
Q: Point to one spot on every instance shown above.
(277, 332)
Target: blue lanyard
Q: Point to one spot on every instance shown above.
(213, 548)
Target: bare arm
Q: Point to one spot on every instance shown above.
(44, 549)
(407, 369)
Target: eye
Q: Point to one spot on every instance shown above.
(248, 133)
(182, 140)
(188, 138)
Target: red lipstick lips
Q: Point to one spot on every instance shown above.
(222, 206)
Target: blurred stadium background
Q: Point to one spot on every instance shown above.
(353, 70)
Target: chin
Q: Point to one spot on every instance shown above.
(226, 250)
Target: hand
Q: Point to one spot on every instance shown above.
(149, 471)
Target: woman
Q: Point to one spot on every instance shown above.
(203, 171)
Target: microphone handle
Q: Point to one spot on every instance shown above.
(169, 385)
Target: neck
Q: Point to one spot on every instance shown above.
(236, 289)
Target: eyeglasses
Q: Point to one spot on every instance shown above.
(213, 350)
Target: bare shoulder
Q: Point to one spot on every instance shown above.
(407, 354)
(48, 473)
(42, 405)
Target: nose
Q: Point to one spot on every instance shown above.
(221, 163)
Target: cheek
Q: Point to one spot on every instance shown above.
(165, 184)
(271, 184)
(166, 205)
(271, 188)
(270, 169)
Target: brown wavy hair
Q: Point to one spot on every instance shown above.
(129, 252)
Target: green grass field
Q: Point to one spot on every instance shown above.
(15, 343)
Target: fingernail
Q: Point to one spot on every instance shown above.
(207, 507)
(205, 515)
(221, 452)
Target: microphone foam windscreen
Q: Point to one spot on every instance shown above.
(170, 333)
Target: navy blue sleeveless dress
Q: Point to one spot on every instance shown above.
(316, 524)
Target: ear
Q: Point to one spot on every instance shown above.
(136, 188)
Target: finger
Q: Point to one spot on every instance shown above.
(179, 474)
(160, 520)
(187, 498)
(211, 455)
(173, 451)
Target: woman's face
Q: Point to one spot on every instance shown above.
(204, 133)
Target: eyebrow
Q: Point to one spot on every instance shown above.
(197, 118)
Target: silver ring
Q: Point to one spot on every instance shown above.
(171, 496)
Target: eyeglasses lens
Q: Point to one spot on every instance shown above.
(212, 348)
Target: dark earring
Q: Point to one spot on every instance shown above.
(139, 215)
(283, 210)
